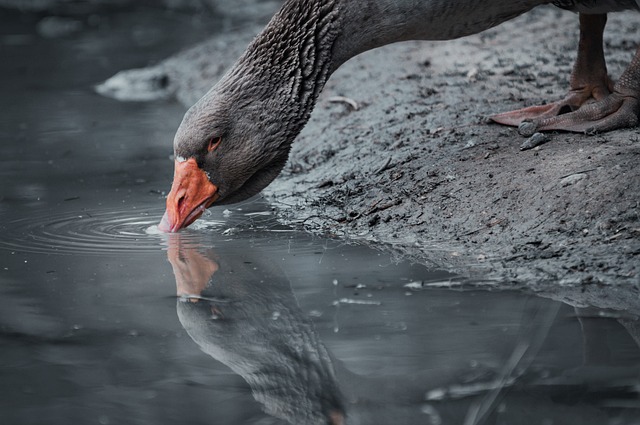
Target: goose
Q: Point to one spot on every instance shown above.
(236, 139)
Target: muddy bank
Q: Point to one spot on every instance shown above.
(398, 153)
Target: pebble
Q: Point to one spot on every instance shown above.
(536, 139)
(572, 179)
(138, 85)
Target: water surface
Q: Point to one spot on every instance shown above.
(240, 320)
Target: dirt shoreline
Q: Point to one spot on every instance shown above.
(398, 153)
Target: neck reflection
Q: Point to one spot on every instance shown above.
(243, 313)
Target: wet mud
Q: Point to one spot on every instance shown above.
(399, 153)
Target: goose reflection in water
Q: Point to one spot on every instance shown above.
(243, 313)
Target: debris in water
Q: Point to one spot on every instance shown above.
(153, 230)
(417, 285)
(456, 392)
(352, 301)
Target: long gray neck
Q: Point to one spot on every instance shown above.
(287, 65)
(369, 24)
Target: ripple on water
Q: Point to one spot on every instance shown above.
(88, 232)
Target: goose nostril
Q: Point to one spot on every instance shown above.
(180, 202)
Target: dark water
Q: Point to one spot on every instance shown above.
(270, 326)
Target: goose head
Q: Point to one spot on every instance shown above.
(235, 140)
(230, 145)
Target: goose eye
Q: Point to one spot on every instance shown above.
(213, 143)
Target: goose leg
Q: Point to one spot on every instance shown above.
(593, 104)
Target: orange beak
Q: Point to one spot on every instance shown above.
(191, 194)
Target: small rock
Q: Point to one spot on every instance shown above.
(536, 140)
(470, 144)
(572, 179)
(138, 85)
